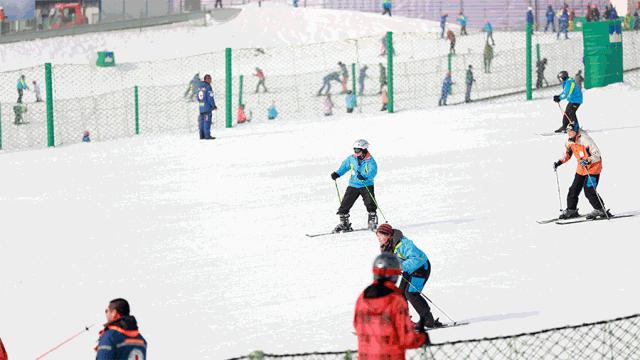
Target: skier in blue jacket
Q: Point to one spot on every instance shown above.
(573, 94)
(530, 16)
(551, 15)
(416, 269)
(443, 23)
(446, 89)
(362, 168)
(350, 101)
(207, 105)
(563, 24)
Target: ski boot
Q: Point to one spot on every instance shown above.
(344, 225)
(568, 214)
(372, 222)
(436, 324)
(598, 213)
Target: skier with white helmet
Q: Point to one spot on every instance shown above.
(362, 168)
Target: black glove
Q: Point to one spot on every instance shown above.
(556, 98)
(360, 177)
(556, 164)
(334, 175)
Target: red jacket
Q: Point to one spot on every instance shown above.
(383, 325)
(3, 352)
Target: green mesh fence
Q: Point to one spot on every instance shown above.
(297, 80)
(612, 339)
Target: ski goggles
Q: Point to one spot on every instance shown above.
(357, 150)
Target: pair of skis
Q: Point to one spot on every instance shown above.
(581, 219)
(334, 233)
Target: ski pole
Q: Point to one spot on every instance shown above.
(558, 183)
(429, 300)
(376, 202)
(86, 328)
(564, 113)
(338, 191)
(596, 191)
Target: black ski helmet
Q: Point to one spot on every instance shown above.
(386, 267)
(563, 75)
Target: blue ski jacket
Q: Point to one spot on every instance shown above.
(410, 256)
(367, 167)
(571, 92)
(205, 98)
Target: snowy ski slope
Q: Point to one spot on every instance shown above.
(206, 239)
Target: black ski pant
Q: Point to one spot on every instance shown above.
(415, 298)
(580, 182)
(351, 195)
(570, 114)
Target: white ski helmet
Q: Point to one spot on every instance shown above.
(361, 144)
(386, 267)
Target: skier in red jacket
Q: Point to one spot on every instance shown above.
(381, 319)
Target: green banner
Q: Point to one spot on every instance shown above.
(602, 53)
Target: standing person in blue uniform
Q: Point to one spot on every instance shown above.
(573, 94)
(363, 169)
(207, 105)
(120, 338)
(446, 89)
(551, 16)
(416, 270)
(386, 7)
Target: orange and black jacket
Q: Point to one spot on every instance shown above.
(120, 339)
(583, 148)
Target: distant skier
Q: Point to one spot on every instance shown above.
(488, 28)
(194, 86)
(36, 90)
(462, 20)
(584, 149)
(579, 79)
(469, 80)
(21, 86)
(19, 110)
(551, 15)
(530, 16)
(218, 2)
(345, 76)
(563, 24)
(443, 24)
(386, 7)
(362, 75)
(452, 42)
(416, 270)
(326, 82)
(328, 105)
(86, 136)
(260, 75)
(487, 57)
(363, 168)
(381, 318)
(384, 93)
(272, 111)
(573, 94)
(446, 89)
(383, 47)
(382, 77)
(541, 65)
(350, 101)
(207, 105)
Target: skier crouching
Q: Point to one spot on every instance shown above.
(586, 152)
(416, 269)
(363, 169)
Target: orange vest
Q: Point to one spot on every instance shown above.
(584, 148)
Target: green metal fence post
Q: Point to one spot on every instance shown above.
(390, 71)
(537, 53)
(49, 87)
(528, 63)
(229, 80)
(240, 90)
(135, 92)
(449, 62)
(353, 80)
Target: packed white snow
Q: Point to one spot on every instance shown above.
(207, 239)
